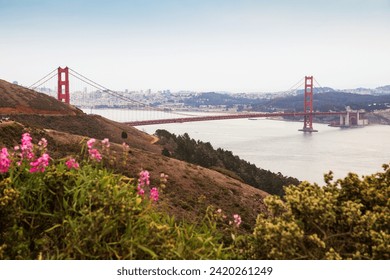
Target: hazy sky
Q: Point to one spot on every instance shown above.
(241, 45)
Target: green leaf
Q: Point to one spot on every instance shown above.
(53, 227)
(147, 250)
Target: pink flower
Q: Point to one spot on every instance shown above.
(90, 143)
(143, 178)
(40, 164)
(237, 220)
(95, 155)
(26, 139)
(106, 143)
(140, 191)
(72, 163)
(43, 143)
(27, 147)
(5, 162)
(154, 194)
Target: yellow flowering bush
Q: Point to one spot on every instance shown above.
(346, 219)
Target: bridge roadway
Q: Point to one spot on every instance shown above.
(231, 116)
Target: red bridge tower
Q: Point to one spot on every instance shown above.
(63, 85)
(308, 106)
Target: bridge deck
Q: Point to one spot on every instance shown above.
(231, 116)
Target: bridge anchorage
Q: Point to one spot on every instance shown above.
(351, 118)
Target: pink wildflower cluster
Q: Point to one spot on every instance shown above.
(144, 181)
(5, 162)
(144, 178)
(140, 191)
(26, 147)
(37, 159)
(94, 154)
(37, 164)
(40, 163)
(237, 220)
(106, 143)
(72, 163)
(154, 194)
(90, 143)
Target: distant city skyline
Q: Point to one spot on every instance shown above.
(199, 45)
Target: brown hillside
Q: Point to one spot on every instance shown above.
(92, 126)
(38, 110)
(190, 188)
(15, 99)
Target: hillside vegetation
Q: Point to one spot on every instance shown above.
(76, 209)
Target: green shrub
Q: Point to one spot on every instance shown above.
(348, 219)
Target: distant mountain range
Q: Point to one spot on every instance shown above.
(325, 99)
(369, 91)
(377, 91)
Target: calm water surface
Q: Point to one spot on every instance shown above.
(279, 147)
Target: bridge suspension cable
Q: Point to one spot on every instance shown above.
(317, 83)
(98, 86)
(34, 85)
(294, 87)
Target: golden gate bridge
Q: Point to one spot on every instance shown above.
(63, 94)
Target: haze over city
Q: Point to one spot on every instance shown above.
(237, 46)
